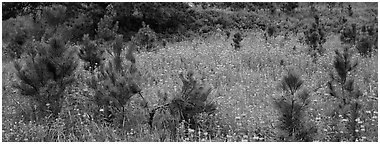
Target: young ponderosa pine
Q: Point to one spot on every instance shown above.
(292, 106)
(184, 106)
(91, 54)
(115, 84)
(345, 93)
(45, 75)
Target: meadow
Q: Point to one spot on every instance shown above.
(244, 84)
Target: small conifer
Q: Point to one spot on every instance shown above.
(45, 75)
(91, 54)
(341, 87)
(292, 106)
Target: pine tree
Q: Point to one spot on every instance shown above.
(292, 106)
(91, 54)
(345, 93)
(116, 83)
(184, 106)
(45, 75)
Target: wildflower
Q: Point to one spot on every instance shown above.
(243, 115)
(362, 129)
(237, 118)
(344, 120)
(256, 138)
(356, 130)
(191, 130)
(261, 139)
(101, 110)
(205, 133)
(364, 137)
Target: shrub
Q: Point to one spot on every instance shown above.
(364, 46)
(91, 54)
(292, 106)
(107, 28)
(347, 97)
(44, 77)
(145, 38)
(348, 34)
(315, 38)
(16, 32)
(237, 39)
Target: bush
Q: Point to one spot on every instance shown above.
(16, 32)
(44, 77)
(145, 39)
(107, 28)
(348, 34)
(364, 46)
(237, 39)
(292, 106)
(315, 38)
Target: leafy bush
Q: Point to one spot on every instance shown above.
(44, 77)
(292, 106)
(348, 34)
(107, 28)
(364, 46)
(145, 38)
(16, 32)
(237, 39)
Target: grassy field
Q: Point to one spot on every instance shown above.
(244, 84)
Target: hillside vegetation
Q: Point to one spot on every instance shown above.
(236, 72)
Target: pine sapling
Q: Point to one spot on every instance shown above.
(292, 106)
(116, 84)
(185, 106)
(44, 76)
(91, 54)
(341, 87)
